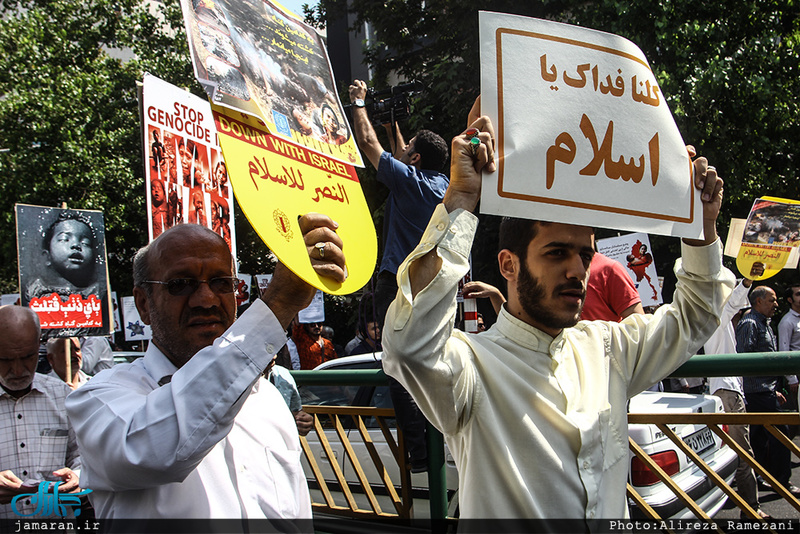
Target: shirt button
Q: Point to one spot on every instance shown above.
(453, 229)
(586, 465)
(25, 473)
(22, 445)
(440, 226)
(270, 348)
(591, 515)
(19, 416)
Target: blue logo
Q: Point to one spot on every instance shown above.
(281, 123)
(48, 504)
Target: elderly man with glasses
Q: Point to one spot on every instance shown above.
(192, 429)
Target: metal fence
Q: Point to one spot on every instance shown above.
(398, 489)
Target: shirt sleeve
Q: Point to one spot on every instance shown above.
(139, 435)
(621, 291)
(392, 172)
(97, 355)
(784, 334)
(737, 301)
(420, 346)
(647, 348)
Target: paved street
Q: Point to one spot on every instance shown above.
(771, 502)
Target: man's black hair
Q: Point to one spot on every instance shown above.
(68, 215)
(788, 293)
(516, 234)
(432, 150)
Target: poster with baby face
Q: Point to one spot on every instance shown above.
(63, 273)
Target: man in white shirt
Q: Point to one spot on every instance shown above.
(192, 429)
(731, 391)
(97, 354)
(534, 409)
(789, 327)
(37, 442)
(57, 358)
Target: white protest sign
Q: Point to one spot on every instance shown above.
(135, 329)
(633, 252)
(315, 312)
(185, 174)
(262, 280)
(115, 308)
(583, 133)
(243, 288)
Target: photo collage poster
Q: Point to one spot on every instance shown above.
(252, 56)
(186, 176)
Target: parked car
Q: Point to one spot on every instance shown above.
(688, 476)
(126, 356)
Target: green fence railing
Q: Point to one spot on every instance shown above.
(701, 365)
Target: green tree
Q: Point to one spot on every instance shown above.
(69, 113)
(730, 70)
(70, 117)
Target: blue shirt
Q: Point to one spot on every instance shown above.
(413, 195)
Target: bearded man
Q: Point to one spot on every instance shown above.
(538, 401)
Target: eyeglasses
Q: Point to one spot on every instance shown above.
(181, 287)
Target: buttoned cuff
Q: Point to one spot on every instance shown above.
(258, 333)
(450, 231)
(702, 260)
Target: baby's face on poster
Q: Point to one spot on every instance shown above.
(72, 250)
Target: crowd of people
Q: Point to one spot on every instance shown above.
(207, 423)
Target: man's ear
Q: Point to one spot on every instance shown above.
(508, 262)
(416, 159)
(142, 304)
(47, 260)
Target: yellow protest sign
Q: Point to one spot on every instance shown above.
(276, 181)
(771, 232)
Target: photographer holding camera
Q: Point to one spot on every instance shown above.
(416, 186)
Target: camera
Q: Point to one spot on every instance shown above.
(390, 105)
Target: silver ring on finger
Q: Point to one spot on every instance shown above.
(321, 249)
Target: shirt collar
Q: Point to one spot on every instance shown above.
(157, 364)
(524, 334)
(36, 385)
(758, 316)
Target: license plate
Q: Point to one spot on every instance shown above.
(700, 441)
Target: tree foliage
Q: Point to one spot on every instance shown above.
(69, 113)
(70, 117)
(729, 70)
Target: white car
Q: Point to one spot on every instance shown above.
(688, 476)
